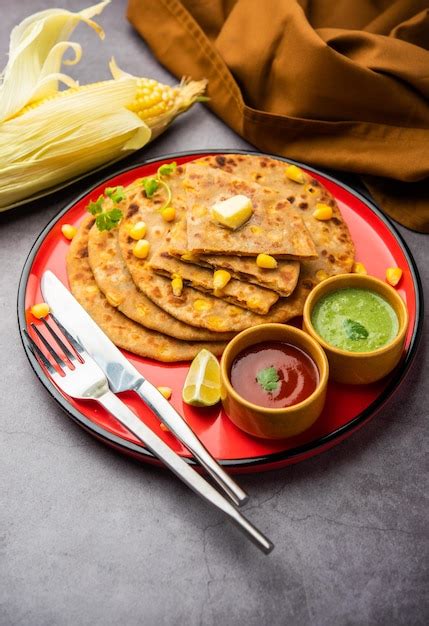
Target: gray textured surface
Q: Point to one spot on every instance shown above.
(88, 537)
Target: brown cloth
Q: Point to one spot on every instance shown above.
(342, 84)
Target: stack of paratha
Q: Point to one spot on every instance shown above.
(133, 299)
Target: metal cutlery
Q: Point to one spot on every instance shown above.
(82, 378)
(123, 376)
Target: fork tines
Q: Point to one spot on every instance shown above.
(65, 350)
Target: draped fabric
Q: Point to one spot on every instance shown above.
(342, 84)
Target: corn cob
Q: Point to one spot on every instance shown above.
(48, 137)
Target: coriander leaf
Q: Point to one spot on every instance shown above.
(268, 378)
(115, 193)
(95, 207)
(150, 185)
(167, 169)
(354, 330)
(108, 219)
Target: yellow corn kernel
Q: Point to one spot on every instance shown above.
(187, 184)
(220, 279)
(138, 230)
(40, 310)
(256, 230)
(321, 275)
(165, 391)
(393, 275)
(142, 310)
(216, 323)
(322, 212)
(202, 305)
(191, 258)
(68, 231)
(141, 249)
(177, 285)
(164, 427)
(253, 302)
(168, 214)
(295, 173)
(90, 290)
(359, 268)
(113, 300)
(266, 261)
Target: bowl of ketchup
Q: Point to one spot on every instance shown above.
(274, 380)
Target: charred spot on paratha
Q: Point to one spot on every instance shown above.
(132, 210)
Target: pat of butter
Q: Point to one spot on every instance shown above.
(233, 212)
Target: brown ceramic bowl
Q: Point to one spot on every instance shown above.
(265, 422)
(359, 368)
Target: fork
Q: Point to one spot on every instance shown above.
(82, 378)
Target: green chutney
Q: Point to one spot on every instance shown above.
(356, 320)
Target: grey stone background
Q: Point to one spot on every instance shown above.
(88, 537)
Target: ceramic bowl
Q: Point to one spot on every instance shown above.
(359, 368)
(265, 422)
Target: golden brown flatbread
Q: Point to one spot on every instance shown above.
(281, 279)
(120, 329)
(114, 280)
(237, 292)
(274, 227)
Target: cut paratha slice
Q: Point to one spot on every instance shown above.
(237, 292)
(120, 329)
(282, 279)
(332, 237)
(274, 228)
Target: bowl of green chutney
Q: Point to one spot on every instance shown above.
(361, 323)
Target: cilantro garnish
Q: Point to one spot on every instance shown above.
(167, 169)
(108, 219)
(116, 194)
(95, 207)
(151, 184)
(268, 378)
(354, 330)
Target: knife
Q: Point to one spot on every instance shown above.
(123, 376)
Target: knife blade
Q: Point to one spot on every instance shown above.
(123, 376)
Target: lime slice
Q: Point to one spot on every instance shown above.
(202, 384)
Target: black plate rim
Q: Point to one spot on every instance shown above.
(269, 459)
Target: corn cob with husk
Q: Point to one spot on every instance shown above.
(47, 136)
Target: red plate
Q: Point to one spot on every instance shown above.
(378, 246)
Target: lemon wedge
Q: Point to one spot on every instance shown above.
(202, 384)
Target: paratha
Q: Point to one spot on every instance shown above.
(282, 279)
(333, 241)
(274, 227)
(237, 292)
(121, 330)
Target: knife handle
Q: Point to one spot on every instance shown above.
(177, 425)
(185, 472)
